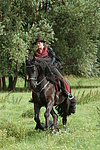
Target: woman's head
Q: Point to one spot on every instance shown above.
(40, 43)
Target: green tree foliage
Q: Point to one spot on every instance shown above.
(13, 46)
(72, 27)
(19, 26)
(76, 26)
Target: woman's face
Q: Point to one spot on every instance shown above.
(40, 45)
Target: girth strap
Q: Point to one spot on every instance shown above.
(38, 92)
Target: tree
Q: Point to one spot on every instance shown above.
(19, 27)
(13, 47)
(76, 26)
(71, 27)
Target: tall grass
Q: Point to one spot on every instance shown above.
(84, 96)
(17, 126)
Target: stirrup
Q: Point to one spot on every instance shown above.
(58, 94)
(70, 96)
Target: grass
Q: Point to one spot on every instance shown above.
(83, 82)
(17, 124)
(74, 82)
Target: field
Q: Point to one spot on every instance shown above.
(83, 128)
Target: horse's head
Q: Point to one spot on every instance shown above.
(35, 71)
(29, 65)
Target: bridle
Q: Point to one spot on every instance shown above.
(36, 78)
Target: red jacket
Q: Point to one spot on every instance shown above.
(43, 54)
(48, 52)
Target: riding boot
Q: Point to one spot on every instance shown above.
(31, 100)
(63, 88)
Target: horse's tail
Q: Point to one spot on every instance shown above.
(61, 108)
(65, 109)
(72, 107)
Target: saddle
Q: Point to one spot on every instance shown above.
(55, 81)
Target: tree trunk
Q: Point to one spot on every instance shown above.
(4, 83)
(25, 81)
(27, 84)
(10, 86)
(14, 82)
(0, 84)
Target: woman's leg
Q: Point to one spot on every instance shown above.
(60, 77)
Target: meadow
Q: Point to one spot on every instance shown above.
(17, 125)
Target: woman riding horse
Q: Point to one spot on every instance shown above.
(44, 94)
(43, 52)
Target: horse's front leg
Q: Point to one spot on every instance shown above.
(55, 119)
(47, 113)
(36, 118)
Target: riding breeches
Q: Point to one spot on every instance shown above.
(56, 72)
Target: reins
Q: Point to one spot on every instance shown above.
(30, 66)
(38, 93)
(36, 80)
(41, 88)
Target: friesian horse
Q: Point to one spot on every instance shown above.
(46, 92)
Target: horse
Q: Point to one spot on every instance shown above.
(45, 94)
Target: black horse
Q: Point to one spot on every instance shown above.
(46, 92)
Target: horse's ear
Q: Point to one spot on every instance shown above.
(26, 58)
(33, 58)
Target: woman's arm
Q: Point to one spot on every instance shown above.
(51, 54)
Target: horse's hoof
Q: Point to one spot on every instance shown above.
(51, 124)
(36, 128)
(56, 130)
(64, 128)
(40, 126)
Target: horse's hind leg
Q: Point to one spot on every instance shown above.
(64, 120)
(55, 119)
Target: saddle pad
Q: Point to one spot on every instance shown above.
(66, 86)
(57, 88)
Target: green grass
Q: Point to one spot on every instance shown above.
(92, 81)
(74, 81)
(17, 124)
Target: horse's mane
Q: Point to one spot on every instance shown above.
(44, 63)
